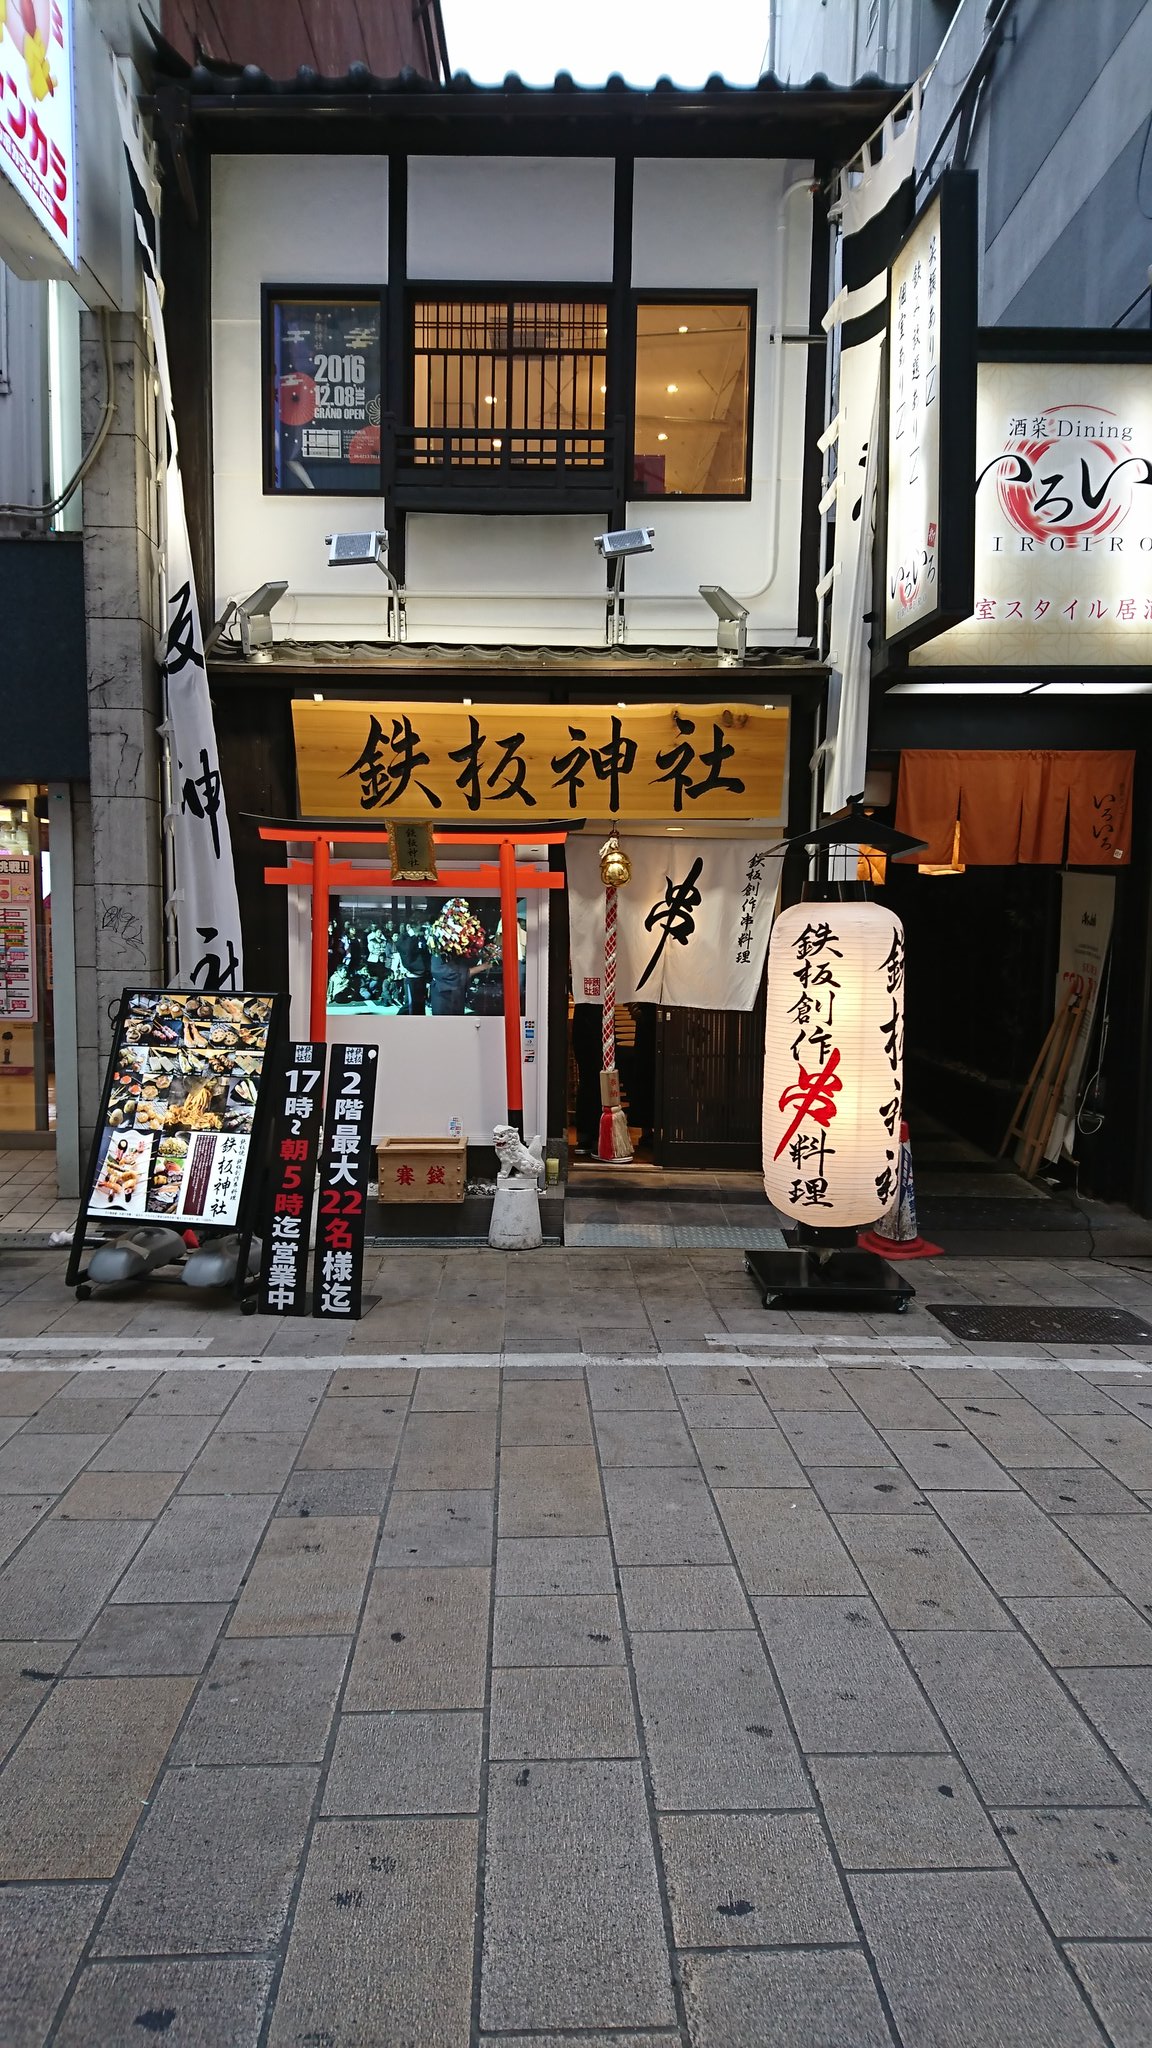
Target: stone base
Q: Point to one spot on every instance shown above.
(515, 1225)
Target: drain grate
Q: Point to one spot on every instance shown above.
(670, 1237)
(1042, 1325)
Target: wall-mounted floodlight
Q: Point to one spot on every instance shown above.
(732, 631)
(253, 621)
(366, 551)
(615, 549)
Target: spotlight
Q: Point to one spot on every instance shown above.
(615, 548)
(357, 550)
(254, 622)
(732, 630)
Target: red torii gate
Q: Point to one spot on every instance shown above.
(321, 872)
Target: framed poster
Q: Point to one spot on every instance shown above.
(322, 390)
(17, 939)
(184, 1109)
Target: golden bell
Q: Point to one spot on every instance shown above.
(615, 866)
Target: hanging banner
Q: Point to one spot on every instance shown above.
(17, 939)
(287, 1220)
(692, 925)
(513, 762)
(1086, 908)
(345, 1170)
(209, 941)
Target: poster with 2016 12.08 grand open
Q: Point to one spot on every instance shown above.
(180, 1108)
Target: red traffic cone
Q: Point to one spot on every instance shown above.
(897, 1236)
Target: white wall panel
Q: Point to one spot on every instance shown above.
(289, 220)
(511, 218)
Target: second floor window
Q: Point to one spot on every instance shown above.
(501, 383)
(693, 398)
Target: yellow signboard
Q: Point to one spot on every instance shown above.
(510, 763)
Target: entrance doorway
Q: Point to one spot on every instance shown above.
(690, 1082)
(27, 1037)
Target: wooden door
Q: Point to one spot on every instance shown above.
(709, 1082)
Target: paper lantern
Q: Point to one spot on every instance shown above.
(834, 1063)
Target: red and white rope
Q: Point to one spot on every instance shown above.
(609, 979)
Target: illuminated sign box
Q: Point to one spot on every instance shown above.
(38, 115)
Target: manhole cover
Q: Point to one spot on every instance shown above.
(1043, 1325)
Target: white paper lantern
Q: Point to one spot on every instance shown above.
(834, 1063)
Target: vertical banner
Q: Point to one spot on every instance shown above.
(1087, 903)
(345, 1166)
(292, 1180)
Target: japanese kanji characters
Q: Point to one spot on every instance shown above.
(283, 1276)
(344, 1172)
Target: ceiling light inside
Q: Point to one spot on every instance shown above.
(671, 389)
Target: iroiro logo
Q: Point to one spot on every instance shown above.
(1066, 473)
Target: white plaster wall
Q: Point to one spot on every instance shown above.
(511, 218)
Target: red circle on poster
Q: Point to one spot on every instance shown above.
(365, 445)
(296, 398)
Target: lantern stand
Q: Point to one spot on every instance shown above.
(824, 1266)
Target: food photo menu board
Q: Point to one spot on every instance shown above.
(181, 1106)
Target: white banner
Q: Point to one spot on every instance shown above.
(693, 923)
(1086, 906)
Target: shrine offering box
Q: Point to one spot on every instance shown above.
(422, 1169)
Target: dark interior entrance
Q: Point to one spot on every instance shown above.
(690, 1079)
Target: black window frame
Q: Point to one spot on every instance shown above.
(336, 295)
(695, 297)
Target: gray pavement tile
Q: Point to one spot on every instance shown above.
(955, 1382)
(26, 1672)
(443, 1392)
(545, 1412)
(1020, 1739)
(43, 1930)
(1118, 1979)
(802, 1389)
(287, 1400)
(892, 1398)
(1089, 1870)
(348, 1435)
(214, 1863)
(995, 1975)
(842, 1675)
(663, 1516)
(683, 1596)
(423, 1641)
(56, 1585)
(249, 1461)
(186, 1392)
(200, 1549)
(74, 1787)
(11, 1425)
(393, 1383)
(1015, 1545)
(573, 1928)
(307, 1578)
(583, 2040)
(438, 1529)
(1137, 1400)
(623, 1386)
(22, 1393)
(714, 1724)
(692, 1380)
(405, 1764)
(456, 1451)
(1119, 1545)
(752, 1880)
(1089, 1629)
(904, 1813)
(161, 1443)
(162, 1642)
(334, 1493)
(831, 1438)
(1087, 1492)
(633, 1437)
(19, 1514)
(941, 1459)
(814, 1998)
(116, 1497)
(567, 1712)
(1059, 1393)
(72, 1417)
(188, 2004)
(785, 1543)
(1016, 1434)
(747, 1457)
(550, 1491)
(554, 1564)
(569, 1628)
(269, 1701)
(917, 1575)
(44, 1464)
(726, 1411)
(1121, 1443)
(602, 1344)
(866, 1490)
(1119, 1705)
(403, 1893)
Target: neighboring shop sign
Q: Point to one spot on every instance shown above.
(1063, 517)
(515, 761)
(322, 403)
(38, 114)
(287, 1222)
(182, 1102)
(17, 939)
(345, 1170)
(931, 417)
(692, 925)
(1087, 903)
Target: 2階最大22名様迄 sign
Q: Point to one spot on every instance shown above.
(512, 763)
(182, 1095)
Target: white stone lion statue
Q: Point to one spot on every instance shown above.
(518, 1162)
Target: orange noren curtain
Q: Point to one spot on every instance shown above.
(1018, 807)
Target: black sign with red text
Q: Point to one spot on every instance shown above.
(298, 1099)
(345, 1167)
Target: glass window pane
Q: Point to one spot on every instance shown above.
(510, 385)
(324, 395)
(692, 366)
(417, 956)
